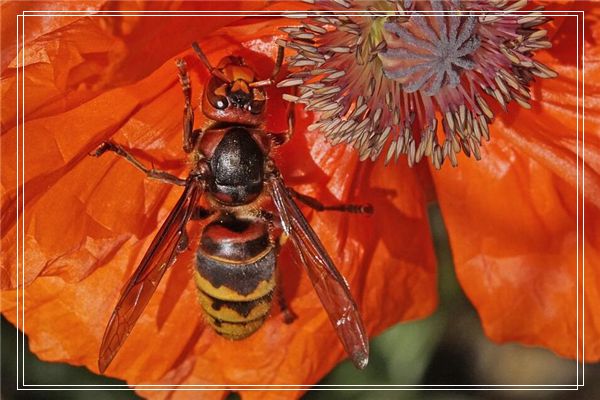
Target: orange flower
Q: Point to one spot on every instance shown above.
(515, 219)
(511, 217)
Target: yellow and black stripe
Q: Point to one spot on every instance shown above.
(235, 275)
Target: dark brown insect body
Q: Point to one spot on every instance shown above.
(247, 213)
(235, 262)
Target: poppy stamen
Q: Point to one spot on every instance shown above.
(412, 77)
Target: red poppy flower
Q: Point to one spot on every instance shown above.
(512, 217)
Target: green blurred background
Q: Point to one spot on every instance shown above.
(448, 348)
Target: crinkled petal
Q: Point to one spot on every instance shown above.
(70, 60)
(515, 218)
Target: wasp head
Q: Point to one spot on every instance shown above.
(233, 95)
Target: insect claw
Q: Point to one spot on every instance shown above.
(101, 149)
(181, 64)
(367, 209)
(289, 316)
(183, 244)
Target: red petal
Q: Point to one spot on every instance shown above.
(513, 218)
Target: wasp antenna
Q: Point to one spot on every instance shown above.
(207, 64)
(264, 82)
(202, 56)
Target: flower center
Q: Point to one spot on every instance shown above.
(414, 80)
(428, 52)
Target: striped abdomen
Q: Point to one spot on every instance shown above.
(235, 275)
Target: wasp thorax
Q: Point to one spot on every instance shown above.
(414, 77)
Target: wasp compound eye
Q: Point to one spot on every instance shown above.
(217, 94)
(220, 102)
(256, 106)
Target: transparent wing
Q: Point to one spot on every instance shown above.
(141, 286)
(330, 285)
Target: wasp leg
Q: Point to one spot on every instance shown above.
(150, 173)
(278, 62)
(317, 205)
(281, 138)
(190, 135)
(288, 315)
(198, 213)
(184, 242)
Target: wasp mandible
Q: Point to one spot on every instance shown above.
(249, 212)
